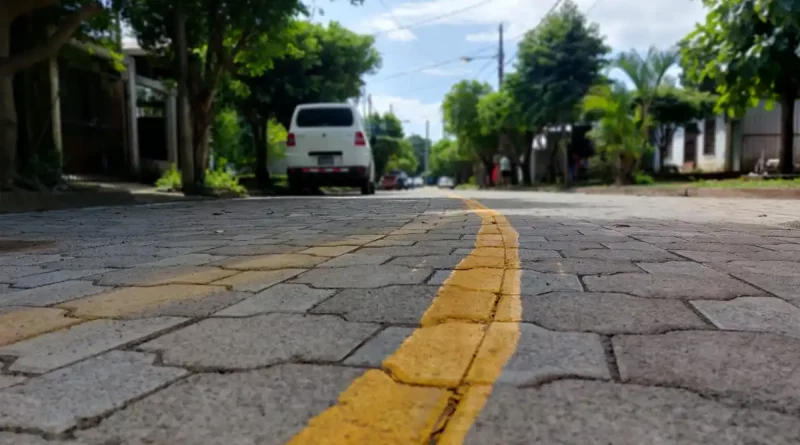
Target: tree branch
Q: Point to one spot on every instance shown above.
(216, 27)
(46, 50)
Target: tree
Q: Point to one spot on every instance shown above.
(385, 125)
(444, 157)
(420, 145)
(559, 61)
(619, 135)
(756, 48)
(404, 159)
(321, 64)
(672, 108)
(499, 118)
(460, 107)
(76, 14)
(648, 73)
(223, 38)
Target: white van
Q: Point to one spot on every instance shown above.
(327, 146)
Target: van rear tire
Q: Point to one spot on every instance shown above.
(368, 188)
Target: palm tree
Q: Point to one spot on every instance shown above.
(648, 73)
(620, 135)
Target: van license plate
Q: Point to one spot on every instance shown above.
(325, 160)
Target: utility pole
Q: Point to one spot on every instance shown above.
(391, 109)
(500, 59)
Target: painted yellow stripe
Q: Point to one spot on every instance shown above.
(439, 379)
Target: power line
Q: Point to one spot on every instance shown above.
(432, 19)
(417, 70)
(393, 17)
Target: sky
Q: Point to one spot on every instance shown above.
(421, 42)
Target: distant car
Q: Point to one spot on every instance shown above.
(327, 146)
(446, 182)
(395, 180)
(418, 181)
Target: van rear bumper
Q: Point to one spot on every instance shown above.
(327, 176)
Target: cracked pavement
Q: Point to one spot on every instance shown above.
(405, 318)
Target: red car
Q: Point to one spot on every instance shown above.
(394, 181)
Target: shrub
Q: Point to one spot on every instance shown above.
(643, 179)
(170, 180)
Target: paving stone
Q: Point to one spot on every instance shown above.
(448, 262)
(253, 249)
(688, 268)
(130, 249)
(533, 283)
(236, 343)
(455, 244)
(588, 239)
(540, 355)
(279, 298)
(377, 349)
(631, 245)
(660, 239)
(4, 289)
(415, 250)
(21, 324)
(27, 260)
(363, 276)
(60, 348)
(434, 236)
(198, 307)
(391, 304)
(670, 286)
(621, 255)
(709, 247)
(265, 406)
(604, 313)
(275, 262)
(709, 257)
(152, 276)
(28, 439)
(569, 412)
(10, 380)
(190, 259)
(755, 369)
(55, 277)
(391, 243)
(764, 314)
(57, 401)
(329, 251)
(781, 286)
(100, 262)
(534, 255)
(11, 273)
(134, 300)
(51, 294)
(580, 266)
(780, 268)
(256, 281)
(356, 259)
(526, 243)
(787, 247)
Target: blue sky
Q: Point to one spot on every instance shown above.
(416, 97)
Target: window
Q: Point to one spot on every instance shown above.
(325, 117)
(709, 137)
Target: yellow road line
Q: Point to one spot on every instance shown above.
(437, 382)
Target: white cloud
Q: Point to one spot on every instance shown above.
(407, 109)
(385, 23)
(626, 23)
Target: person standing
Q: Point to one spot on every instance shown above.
(505, 170)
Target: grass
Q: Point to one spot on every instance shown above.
(218, 182)
(736, 183)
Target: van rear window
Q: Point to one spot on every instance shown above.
(324, 117)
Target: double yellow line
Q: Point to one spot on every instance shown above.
(435, 385)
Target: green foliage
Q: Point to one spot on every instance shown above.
(461, 119)
(384, 125)
(320, 64)
(744, 48)
(620, 137)
(671, 108)
(419, 146)
(444, 157)
(643, 179)
(217, 181)
(170, 180)
(559, 61)
(404, 159)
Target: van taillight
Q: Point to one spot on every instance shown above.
(361, 141)
(290, 142)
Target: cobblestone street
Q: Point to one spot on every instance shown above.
(405, 318)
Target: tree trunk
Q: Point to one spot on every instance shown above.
(488, 166)
(8, 112)
(185, 147)
(787, 132)
(260, 129)
(526, 158)
(201, 135)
